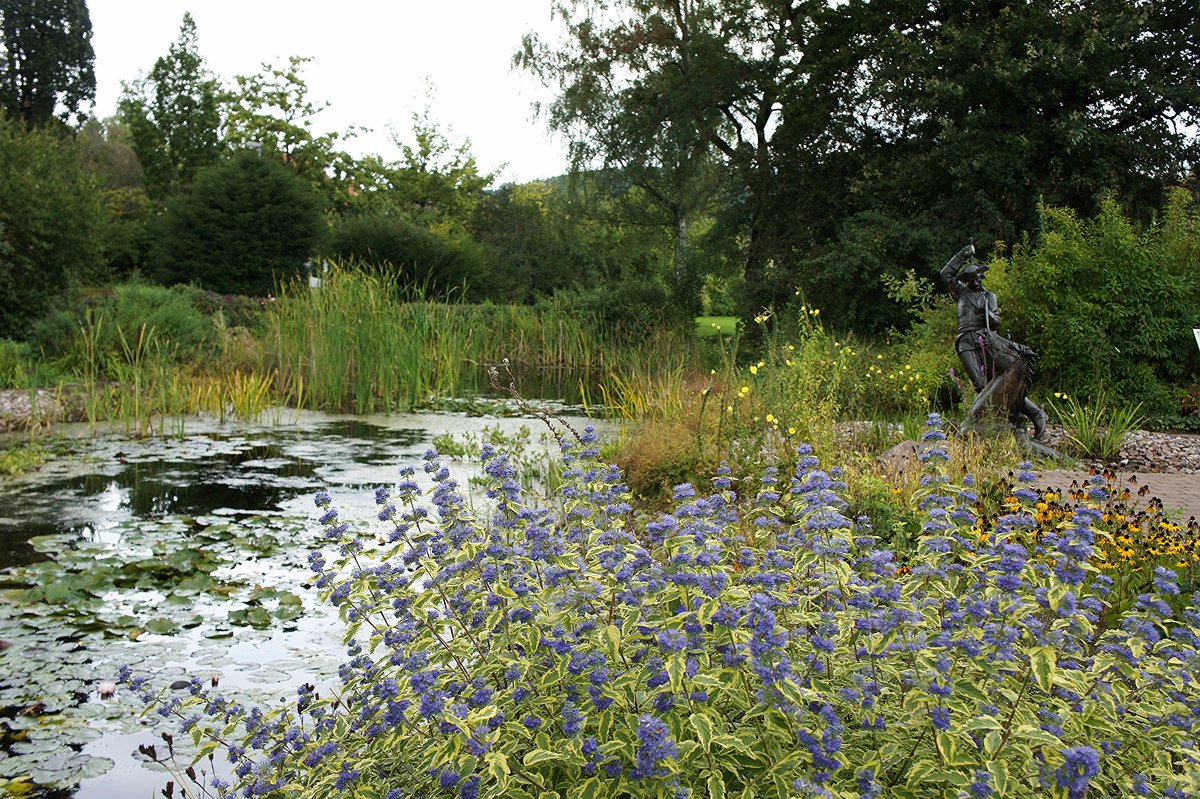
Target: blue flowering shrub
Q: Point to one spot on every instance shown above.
(588, 653)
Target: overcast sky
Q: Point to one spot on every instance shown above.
(373, 61)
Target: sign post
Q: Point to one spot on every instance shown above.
(1196, 332)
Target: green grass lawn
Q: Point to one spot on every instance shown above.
(707, 326)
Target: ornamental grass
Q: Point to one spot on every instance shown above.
(587, 652)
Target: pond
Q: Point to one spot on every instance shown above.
(185, 556)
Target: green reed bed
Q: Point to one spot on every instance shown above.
(360, 344)
(149, 356)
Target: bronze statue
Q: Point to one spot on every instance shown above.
(1000, 369)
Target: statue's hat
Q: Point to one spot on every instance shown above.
(973, 269)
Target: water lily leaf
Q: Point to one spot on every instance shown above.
(196, 582)
(161, 626)
(288, 612)
(94, 767)
(258, 617)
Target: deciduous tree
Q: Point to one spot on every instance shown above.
(272, 110)
(51, 222)
(173, 115)
(659, 87)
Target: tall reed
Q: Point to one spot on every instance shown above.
(358, 343)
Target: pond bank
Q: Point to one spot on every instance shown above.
(25, 409)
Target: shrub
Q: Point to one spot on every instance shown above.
(417, 258)
(129, 312)
(51, 225)
(1110, 307)
(592, 654)
(14, 364)
(244, 225)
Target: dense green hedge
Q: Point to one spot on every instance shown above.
(1110, 306)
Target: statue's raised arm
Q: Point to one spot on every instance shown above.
(951, 269)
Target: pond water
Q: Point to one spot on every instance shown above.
(184, 556)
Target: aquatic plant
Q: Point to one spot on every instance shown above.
(593, 653)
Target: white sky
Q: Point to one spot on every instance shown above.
(374, 59)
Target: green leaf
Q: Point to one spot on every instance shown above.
(999, 771)
(589, 790)
(612, 637)
(980, 723)
(676, 668)
(716, 786)
(1037, 735)
(58, 591)
(918, 771)
(1042, 660)
(704, 731)
(161, 626)
(536, 756)
(952, 777)
(947, 745)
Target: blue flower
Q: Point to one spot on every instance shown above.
(982, 785)
(672, 640)
(655, 746)
(1080, 764)
(1166, 581)
(346, 777)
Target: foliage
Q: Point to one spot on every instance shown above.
(46, 59)
(173, 115)
(682, 100)
(630, 307)
(849, 279)
(360, 343)
(42, 256)
(761, 645)
(14, 364)
(1095, 430)
(272, 111)
(246, 224)
(105, 153)
(436, 183)
(117, 315)
(535, 240)
(980, 112)
(852, 141)
(23, 458)
(419, 260)
(1108, 306)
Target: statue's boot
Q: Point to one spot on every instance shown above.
(1037, 416)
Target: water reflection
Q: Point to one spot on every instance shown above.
(182, 532)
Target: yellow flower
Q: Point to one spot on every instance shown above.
(753, 368)
(770, 417)
(791, 431)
